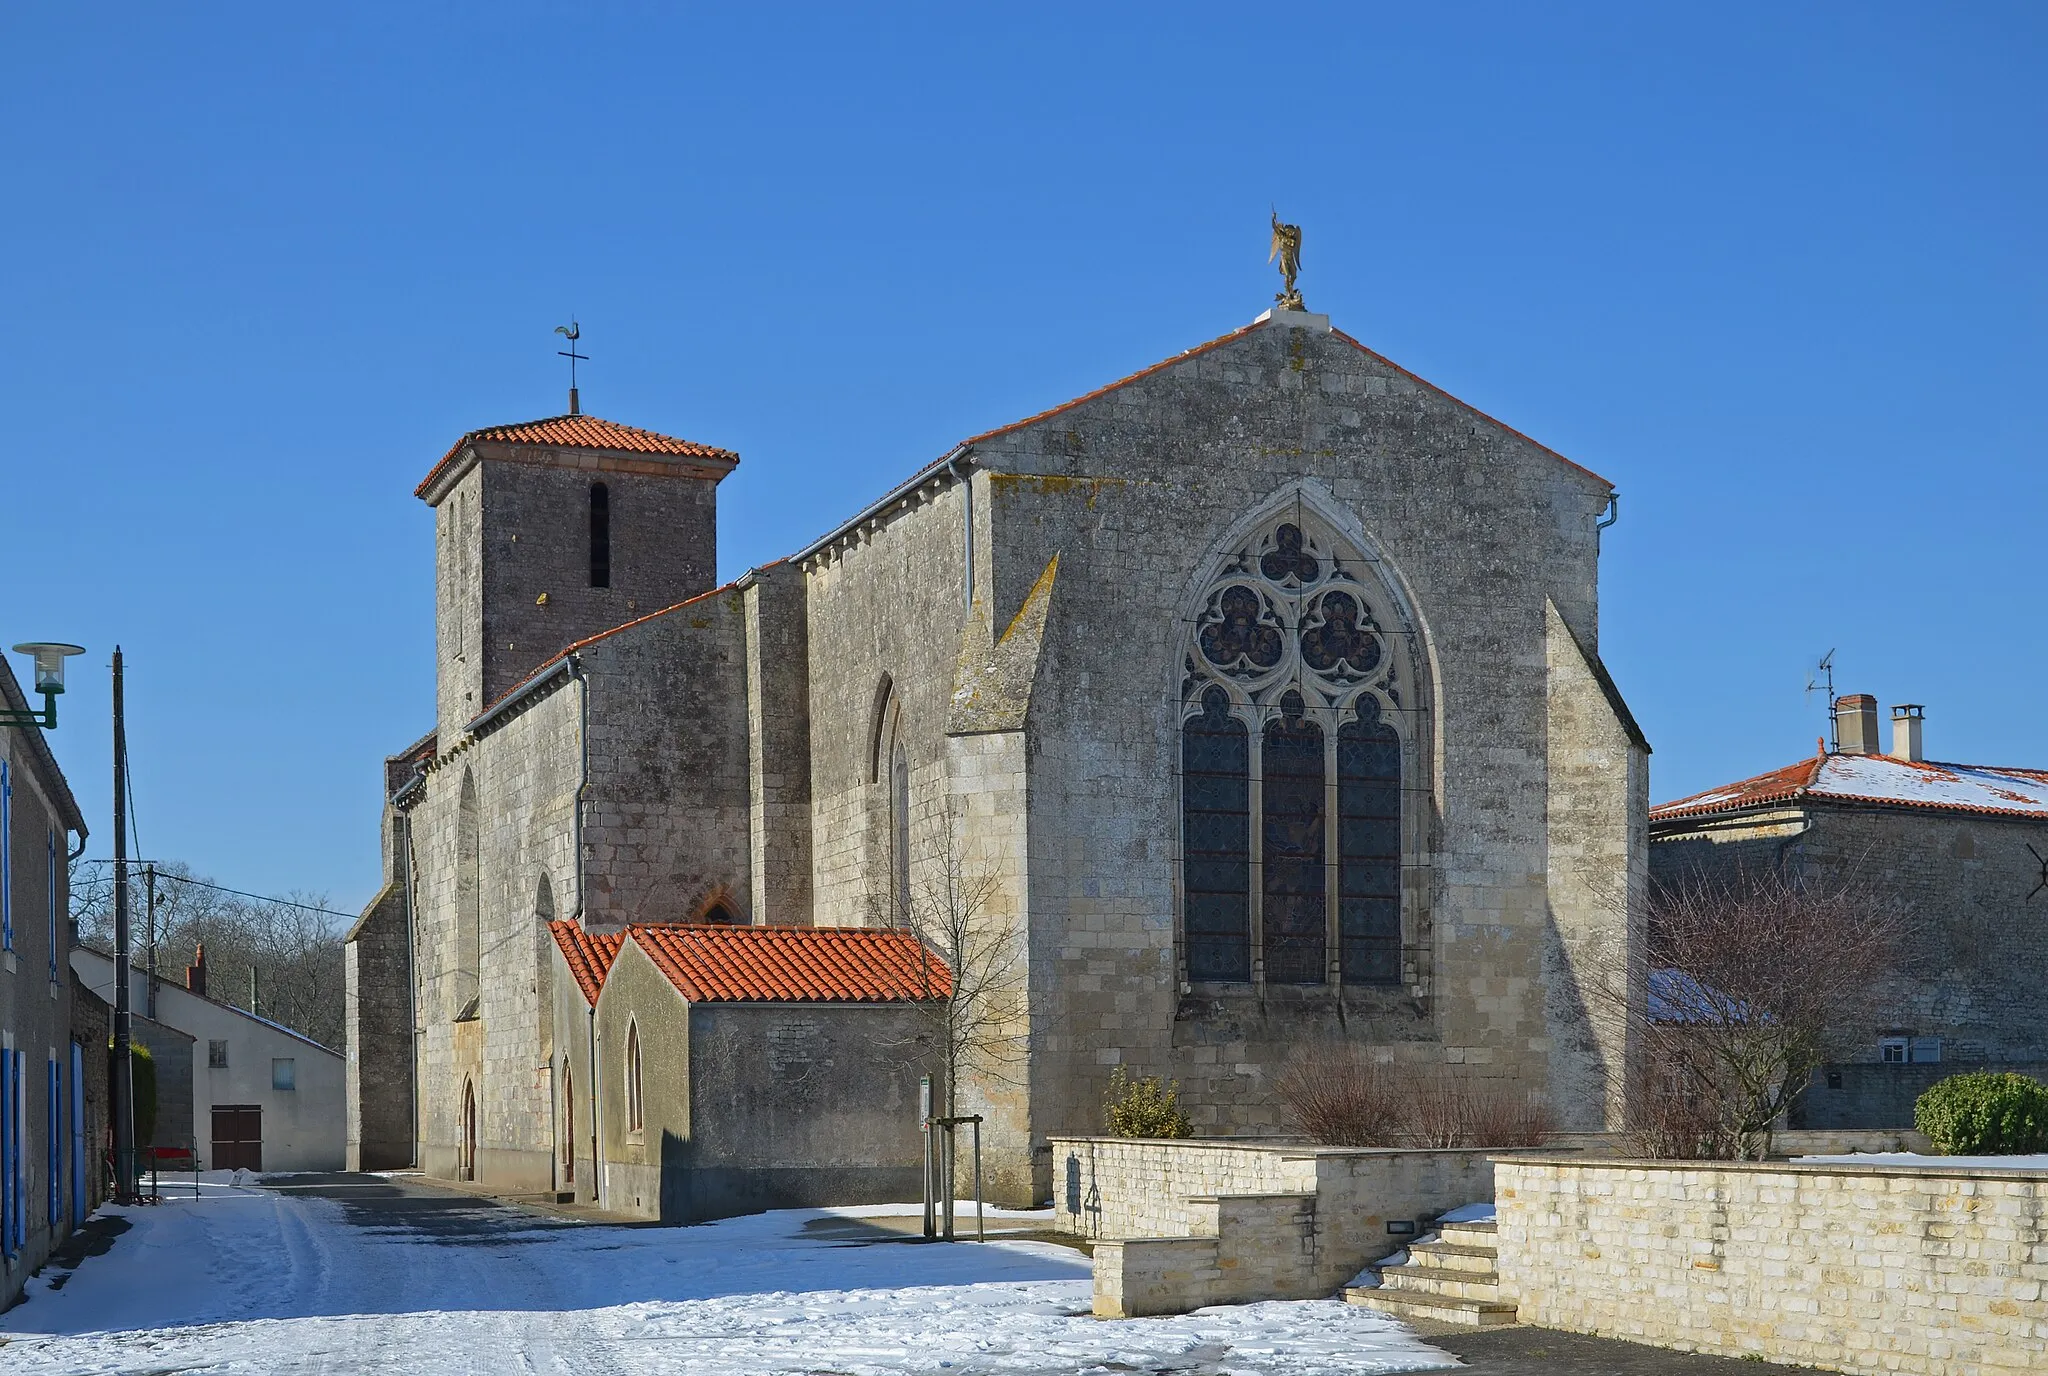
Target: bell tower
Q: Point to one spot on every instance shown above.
(550, 531)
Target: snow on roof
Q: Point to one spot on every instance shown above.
(1878, 779)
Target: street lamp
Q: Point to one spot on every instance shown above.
(50, 657)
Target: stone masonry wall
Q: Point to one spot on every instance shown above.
(377, 1017)
(779, 756)
(1182, 1224)
(526, 772)
(1860, 1269)
(667, 825)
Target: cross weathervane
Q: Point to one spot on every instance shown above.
(2043, 861)
(572, 332)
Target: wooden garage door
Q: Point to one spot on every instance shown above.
(238, 1137)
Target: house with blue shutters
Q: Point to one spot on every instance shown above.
(49, 1075)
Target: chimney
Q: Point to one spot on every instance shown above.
(1856, 724)
(1906, 740)
(195, 973)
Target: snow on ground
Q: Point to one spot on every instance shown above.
(247, 1279)
(1923, 1160)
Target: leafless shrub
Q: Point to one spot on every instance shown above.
(1736, 995)
(1336, 1094)
(1339, 1097)
(1498, 1115)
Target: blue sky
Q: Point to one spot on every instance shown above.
(1775, 271)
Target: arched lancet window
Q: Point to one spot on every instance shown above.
(1296, 907)
(636, 1119)
(568, 1122)
(1293, 681)
(468, 971)
(544, 900)
(1216, 841)
(899, 833)
(1369, 844)
(600, 536)
(719, 915)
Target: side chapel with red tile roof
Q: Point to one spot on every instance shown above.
(1255, 699)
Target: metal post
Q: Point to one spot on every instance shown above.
(946, 1181)
(123, 1076)
(924, 1122)
(149, 887)
(980, 1209)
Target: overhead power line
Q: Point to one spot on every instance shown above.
(163, 874)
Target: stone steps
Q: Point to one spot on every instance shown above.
(1415, 1280)
(1451, 1280)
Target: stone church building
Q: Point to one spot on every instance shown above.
(1262, 686)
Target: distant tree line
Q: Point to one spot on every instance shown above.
(274, 959)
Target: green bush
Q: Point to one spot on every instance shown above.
(1984, 1114)
(143, 1078)
(1144, 1108)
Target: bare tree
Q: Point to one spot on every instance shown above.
(1736, 996)
(977, 1022)
(281, 960)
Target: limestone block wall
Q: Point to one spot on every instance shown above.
(525, 772)
(667, 823)
(778, 682)
(377, 1018)
(1862, 1269)
(1122, 1187)
(884, 611)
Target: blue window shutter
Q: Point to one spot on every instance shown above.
(6, 858)
(78, 1165)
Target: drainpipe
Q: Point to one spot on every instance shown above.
(596, 1124)
(1613, 514)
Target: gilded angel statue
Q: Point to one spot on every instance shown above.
(1287, 248)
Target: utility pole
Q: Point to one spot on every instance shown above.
(124, 1028)
(149, 883)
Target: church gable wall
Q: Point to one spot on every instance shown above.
(1134, 491)
(666, 829)
(481, 936)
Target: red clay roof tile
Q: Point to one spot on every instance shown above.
(590, 955)
(723, 964)
(578, 432)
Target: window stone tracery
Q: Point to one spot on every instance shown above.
(1292, 766)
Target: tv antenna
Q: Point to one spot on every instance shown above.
(572, 332)
(1822, 680)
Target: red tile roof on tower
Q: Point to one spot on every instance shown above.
(1880, 780)
(590, 955)
(721, 964)
(578, 432)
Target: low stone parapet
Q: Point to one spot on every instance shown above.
(1863, 1269)
(1181, 1224)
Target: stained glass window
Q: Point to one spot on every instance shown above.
(1296, 913)
(1313, 679)
(1369, 847)
(1216, 842)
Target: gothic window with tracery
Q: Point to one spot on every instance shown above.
(1291, 682)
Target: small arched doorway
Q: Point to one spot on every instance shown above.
(465, 1165)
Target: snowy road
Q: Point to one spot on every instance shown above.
(375, 1276)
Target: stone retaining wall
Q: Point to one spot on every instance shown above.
(1182, 1224)
(1862, 1269)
